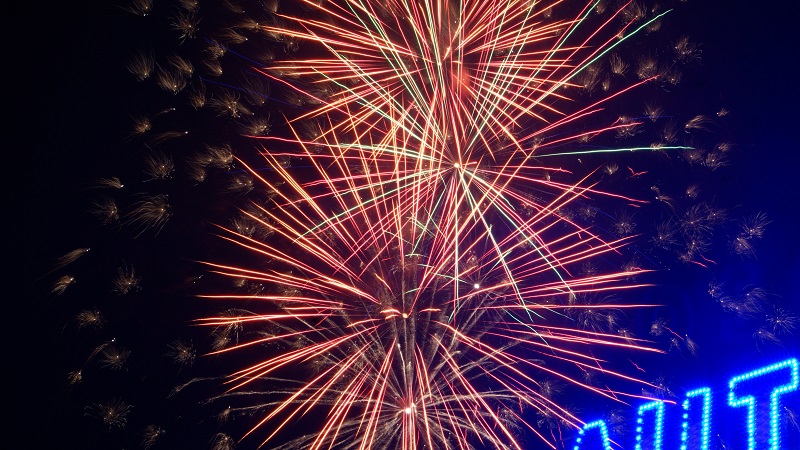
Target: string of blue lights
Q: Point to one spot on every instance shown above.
(747, 390)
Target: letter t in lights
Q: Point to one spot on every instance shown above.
(774, 400)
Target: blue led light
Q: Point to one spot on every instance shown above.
(658, 429)
(603, 434)
(705, 420)
(748, 390)
(774, 397)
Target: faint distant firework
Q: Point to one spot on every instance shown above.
(430, 215)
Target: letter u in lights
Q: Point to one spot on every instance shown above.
(705, 418)
(601, 426)
(658, 429)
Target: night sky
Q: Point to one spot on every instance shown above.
(71, 100)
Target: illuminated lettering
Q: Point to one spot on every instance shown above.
(705, 418)
(603, 434)
(774, 400)
(748, 390)
(658, 429)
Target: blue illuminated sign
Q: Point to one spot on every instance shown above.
(758, 393)
(658, 432)
(705, 421)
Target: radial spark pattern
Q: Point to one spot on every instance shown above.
(431, 223)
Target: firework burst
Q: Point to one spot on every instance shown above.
(420, 255)
(452, 106)
(417, 279)
(402, 341)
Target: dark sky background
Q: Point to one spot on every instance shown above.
(69, 100)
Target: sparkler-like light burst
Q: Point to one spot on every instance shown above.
(449, 105)
(399, 349)
(421, 286)
(430, 223)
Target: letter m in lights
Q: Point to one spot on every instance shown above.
(742, 391)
